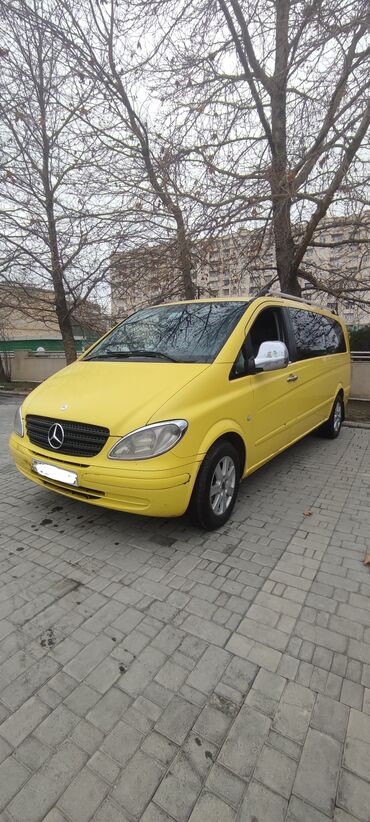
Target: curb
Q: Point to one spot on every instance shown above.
(14, 393)
(350, 424)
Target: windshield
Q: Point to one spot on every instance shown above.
(186, 332)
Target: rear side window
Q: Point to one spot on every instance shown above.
(316, 335)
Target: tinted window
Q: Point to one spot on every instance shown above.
(186, 332)
(316, 335)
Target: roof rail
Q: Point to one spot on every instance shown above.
(298, 299)
(289, 296)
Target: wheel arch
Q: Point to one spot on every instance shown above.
(226, 431)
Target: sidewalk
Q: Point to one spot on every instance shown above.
(152, 672)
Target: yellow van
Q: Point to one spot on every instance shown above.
(179, 402)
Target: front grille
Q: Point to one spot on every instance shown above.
(80, 439)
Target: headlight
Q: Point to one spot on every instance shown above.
(18, 422)
(149, 441)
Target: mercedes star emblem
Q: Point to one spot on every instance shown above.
(56, 436)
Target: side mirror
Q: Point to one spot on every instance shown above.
(271, 356)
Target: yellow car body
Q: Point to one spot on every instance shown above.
(260, 413)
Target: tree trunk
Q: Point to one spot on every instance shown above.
(61, 307)
(281, 201)
(184, 257)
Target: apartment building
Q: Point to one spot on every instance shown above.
(242, 262)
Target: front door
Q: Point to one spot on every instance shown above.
(268, 427)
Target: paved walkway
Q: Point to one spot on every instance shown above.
(152, 672)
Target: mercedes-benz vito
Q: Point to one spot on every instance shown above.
(179, 402)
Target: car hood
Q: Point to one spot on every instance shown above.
(118, 395)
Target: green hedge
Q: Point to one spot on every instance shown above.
(360, 338)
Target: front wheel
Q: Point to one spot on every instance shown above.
(216, 487)
(331, 428)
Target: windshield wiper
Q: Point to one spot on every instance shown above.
(137, 352)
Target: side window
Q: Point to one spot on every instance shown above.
(335, 342)
(315, 335)
(268, 326)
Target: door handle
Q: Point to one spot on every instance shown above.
(292, 377)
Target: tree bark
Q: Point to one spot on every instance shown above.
(281, 200)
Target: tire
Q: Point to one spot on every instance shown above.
(331, 428)
(221, 467)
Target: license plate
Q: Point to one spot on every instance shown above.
(54, 473)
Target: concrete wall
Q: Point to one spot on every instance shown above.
(360, 387)
(31, 367)
(26, 365)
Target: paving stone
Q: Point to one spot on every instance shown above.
(212, 808)
(57, 726)
(213, 724)
(154, 814)
(343, 816)
(32, 753)
(42, 791)
(323, 637)
(266, 635)
(159, 747)
(265, 657)
(83, 796)
(333, 686)
(359, 726)
(330, 717)
(286, 746)
(358, 650)
(339, 665)
(177, 720)
(82, 699)
(81, 665)
(142, 671)
(244, 742)
(357, 757)
(28, 683)
(137, 783)
(298, 695)
(12, 776)
(319, 767)
(21, 723)
(322, 658)
(261, 803)
(352, 694)
(109, 709)
(122, 742)
(300, 811)
(292, 721)
(171, 676)
(87, 736)
(354, 670)
(276, 771)
(181, 785)
(109, 812)
(225, 784)
(105, 766)
(206, 630)
(354, 795)
(288, 666)
(270, 684)
(209, 669)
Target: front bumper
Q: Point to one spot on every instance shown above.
(163, 492)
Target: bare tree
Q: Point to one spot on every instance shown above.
(273, 113)
(101, 41)
(57, 207)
